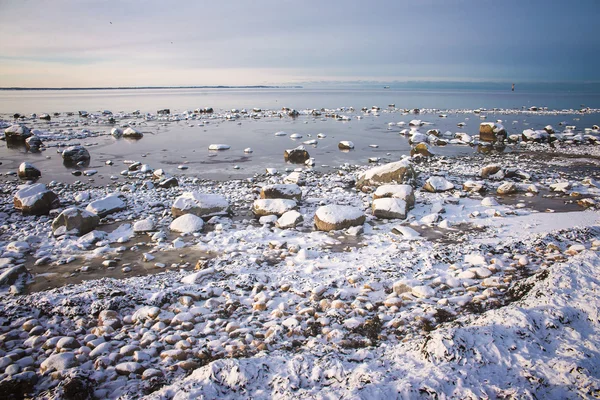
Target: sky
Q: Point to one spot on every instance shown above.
(102, 43)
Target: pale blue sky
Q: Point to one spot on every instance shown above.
(64, 43)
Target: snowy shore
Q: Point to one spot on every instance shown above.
(470, 277)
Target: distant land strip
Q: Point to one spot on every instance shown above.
(153, 87)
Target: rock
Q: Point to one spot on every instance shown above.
(345, 145)
(406, 232)
(109, 318)
(491, 132)
(404, 192)
(116, 132)
(423, 291)
(75, 154)
(187, 223)
(28, 171)
(290, 191)
(33, 144)
(337, 217)
(295, 178)
(472, 186)
(17, 132)
(144, 225)
(417, 137)
(560, 186)
(77, 220)
(132, 133)
(289, 219)
(488, 170)
(538, 136)
(107, 205)
(131, 367)
(59, 362)
(436, 184)
(200, 204)
(219, 147)
(168, 183)
(13, 275)
(507, 188)
(389, 208)
(489, 202)
(421, 149)
(397, 172)
(297, 156)
(262, 207)
(18, 386)
(35, 199)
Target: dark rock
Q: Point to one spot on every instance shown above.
(28, 171)
(297, 156)
(78, 219)
(35, 199)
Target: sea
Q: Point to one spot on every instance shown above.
(171, 144)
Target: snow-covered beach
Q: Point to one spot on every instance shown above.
(437, 273)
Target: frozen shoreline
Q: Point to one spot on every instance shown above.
(389, 307)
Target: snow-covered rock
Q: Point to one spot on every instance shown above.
(76, 220)
(262, 207)
(187, 223)
(397, 172)
(219, 146)
(35, 199)
(17, 132)
(491, 132)
(389, 208)
(144, 225)
(435, 184)
(297, 156)
(345, 145)
(289, 219)
(132, 133)
(335, 217)
(200, 204)
(287, 191)
(107, 205)
(28, 171)
(404, 192)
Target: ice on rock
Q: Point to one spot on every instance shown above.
(188, 223)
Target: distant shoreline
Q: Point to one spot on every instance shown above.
(155, 87)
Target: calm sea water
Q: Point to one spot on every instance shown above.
(150, 100)
(186, 142)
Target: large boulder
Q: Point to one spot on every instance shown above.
(404, 192)
(290, 191)
(188, 223)
(75, 154)
(262, 207)
(389, 208)
(28, 171)
(335, 217)
(76, 220)
(491, 132)
(107, 205)
(397, 172)
(17, 132)
(437, 184)
(35, 199)
(297, 156)
(200, 204)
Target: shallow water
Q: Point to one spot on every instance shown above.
(167, 145)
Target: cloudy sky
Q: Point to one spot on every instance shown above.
(74, 43)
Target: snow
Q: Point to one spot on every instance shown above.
(385, 169)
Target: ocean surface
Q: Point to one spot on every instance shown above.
(150, 100)
(167, 145)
